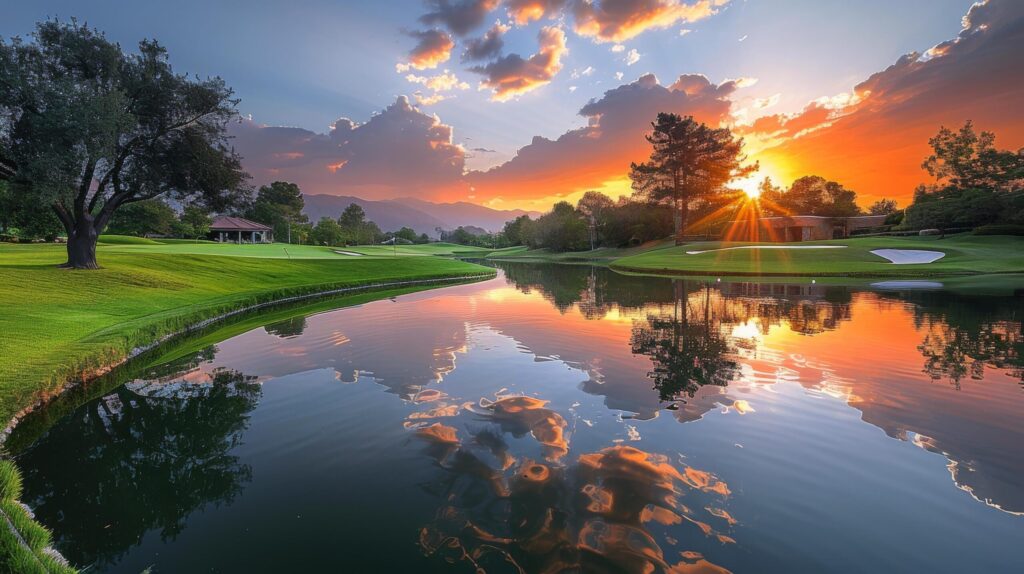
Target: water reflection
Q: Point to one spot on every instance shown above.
(143, 458)
(591, 515)
(580, 466)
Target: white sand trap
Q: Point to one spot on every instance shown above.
(909, 256)
(768, 247)
(907, 285)
(352, 253)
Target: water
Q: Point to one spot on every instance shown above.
(563, 419)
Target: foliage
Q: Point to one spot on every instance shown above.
(279, 205)
(561, 229)
(965, 159)
(327, 232)
(514, 230)
(23, 541)
(883, 207)
(1000, 229)
(408, 234)
(953, 207)
(90, 128)
(689, 161)
(356, 229)
(977, 183)
(810, 195)
(142, 218)
(194, 222)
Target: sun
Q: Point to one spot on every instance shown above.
(750, 187)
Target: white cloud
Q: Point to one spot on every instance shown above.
(632, 57)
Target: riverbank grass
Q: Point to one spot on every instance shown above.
(59, 323)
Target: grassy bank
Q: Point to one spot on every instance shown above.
(58, 323)
(964, 255)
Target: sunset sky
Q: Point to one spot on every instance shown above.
(516, 103)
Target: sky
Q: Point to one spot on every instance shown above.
(518, 103)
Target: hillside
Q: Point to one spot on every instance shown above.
(423, 216)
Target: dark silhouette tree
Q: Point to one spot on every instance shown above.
(966, 159)
(87, 128)
(689, 161)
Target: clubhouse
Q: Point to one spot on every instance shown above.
(226, 229)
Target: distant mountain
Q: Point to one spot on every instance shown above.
(462, 213)
(388, 215)
(422, 216)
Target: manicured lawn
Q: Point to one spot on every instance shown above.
(964, 254)
(57, 323)
(598, 256)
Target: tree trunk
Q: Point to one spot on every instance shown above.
(82, 244)
(679, 221)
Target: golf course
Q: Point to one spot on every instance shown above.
(962, 254)
(147, 289)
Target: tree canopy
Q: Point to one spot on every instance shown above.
(87, 128)
(810, 195)
(689, 161)
(279, 205)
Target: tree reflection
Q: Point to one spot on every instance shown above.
(143, 460)
(686, 346)
(964, 335)
(292, 327)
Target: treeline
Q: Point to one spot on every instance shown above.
(976, 185)
(595, 221)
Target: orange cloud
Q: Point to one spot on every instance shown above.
(620, 20)
(523, 12)
(600, 153)
(512, 75)
(434, 48)
(874, 139)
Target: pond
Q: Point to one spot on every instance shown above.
(563, 419)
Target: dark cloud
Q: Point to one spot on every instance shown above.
(488, 46)
(459, 17)
(513, 75)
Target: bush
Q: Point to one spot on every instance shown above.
(1000, 229)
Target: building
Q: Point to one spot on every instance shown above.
(226, 229)
(799, 227)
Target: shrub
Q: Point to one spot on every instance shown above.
(1000, 229)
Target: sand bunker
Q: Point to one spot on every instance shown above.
(352, 253)
(768, 247)
(909, 256)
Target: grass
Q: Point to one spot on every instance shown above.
(964, 255)
(58, 324)
(601, 255)
(25, 551)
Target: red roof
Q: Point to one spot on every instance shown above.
(225, 223)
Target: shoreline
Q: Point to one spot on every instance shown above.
(75, 381)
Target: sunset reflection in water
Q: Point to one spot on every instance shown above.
(547, 421)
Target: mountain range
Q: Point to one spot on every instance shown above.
(422, 216)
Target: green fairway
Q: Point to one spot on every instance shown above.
(964, 254)
(601, 255)
(59, 323)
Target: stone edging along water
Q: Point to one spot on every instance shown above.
(202, 324)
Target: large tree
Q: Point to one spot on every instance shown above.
(965, 159)
(812, 195)
(86, 128)
(689, 161)
(280, 206)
